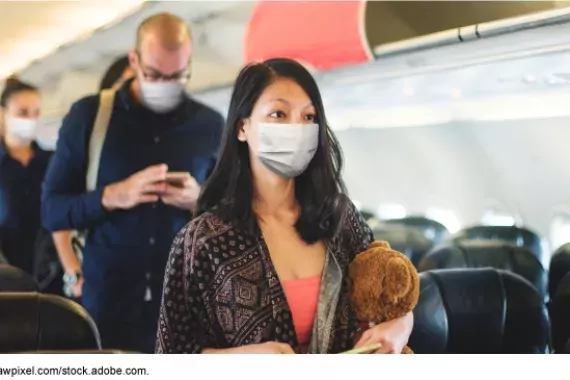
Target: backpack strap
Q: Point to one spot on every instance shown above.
(106, 101)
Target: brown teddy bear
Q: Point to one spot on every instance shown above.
(384, 285)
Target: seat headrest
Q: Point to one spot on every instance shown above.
(560, 314)
(14, 279)
(34, 321)
(432, 230)
(559, 267)
(494, 254)
(479, 311)
(519, 236)
(410, 241)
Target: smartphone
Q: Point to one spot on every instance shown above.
(177, 179)
(364, 350)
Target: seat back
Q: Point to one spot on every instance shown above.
(559, 267)
(560, 315)
(14, 279)
(519, 236)
(494, 254)
(431, 229)
(34, 321)
(479, 311)
(409, 241)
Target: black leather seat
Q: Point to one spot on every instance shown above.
(432, 230)
(494, 254)
(410, 241)
(560, 315)
(521, 237)
(34, 321)
(14, 279)
(559, 267)
(479, 311)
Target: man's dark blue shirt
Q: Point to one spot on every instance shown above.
(126, 250)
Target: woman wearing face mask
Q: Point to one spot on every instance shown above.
(262, 269)
(22, 168)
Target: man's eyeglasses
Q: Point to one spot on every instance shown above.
(156, 76)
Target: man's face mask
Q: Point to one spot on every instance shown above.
(20, 128)
(287, 149)
(161, 97)
(161, 93)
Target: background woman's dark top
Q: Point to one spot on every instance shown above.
(20, 197)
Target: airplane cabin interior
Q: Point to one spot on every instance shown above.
(452, 121)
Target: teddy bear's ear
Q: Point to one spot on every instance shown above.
(379, 244)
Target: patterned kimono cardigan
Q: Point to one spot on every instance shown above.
(221, 290)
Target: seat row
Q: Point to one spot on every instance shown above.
(424, 241)
(465, 310)
(512, 249)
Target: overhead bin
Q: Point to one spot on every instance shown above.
(418, 77)
(327, 35)
(392, 21)
(322, 34)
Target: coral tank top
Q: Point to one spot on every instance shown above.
(303, 298)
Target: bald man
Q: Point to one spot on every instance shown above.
(134, 211)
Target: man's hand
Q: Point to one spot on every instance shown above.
(78, 288)
(183, 197)
(145, 186)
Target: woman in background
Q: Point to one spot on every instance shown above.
(23, 165)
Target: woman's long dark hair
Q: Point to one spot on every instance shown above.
(114, 73)
(319, 189)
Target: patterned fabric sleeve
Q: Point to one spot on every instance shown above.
(183, 326)
(361, 236)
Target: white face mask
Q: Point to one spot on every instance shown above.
(161, 97)
(20, 128)
(287, 149)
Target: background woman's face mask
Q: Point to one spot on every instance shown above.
(287, 149)
(21, 128)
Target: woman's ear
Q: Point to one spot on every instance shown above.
(242, 125)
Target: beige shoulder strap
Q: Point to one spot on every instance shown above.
(106, 100)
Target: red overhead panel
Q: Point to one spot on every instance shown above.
(321, 34)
